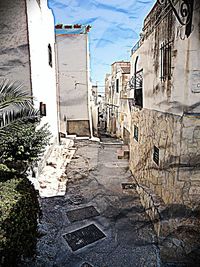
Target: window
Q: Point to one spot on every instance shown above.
(166, 52)
(50, 55)
(138, 85)
(156, 155)
(117, 86)
(38, 1)
(136, 133)
(43, 109)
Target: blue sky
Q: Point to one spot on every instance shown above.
(116, 25)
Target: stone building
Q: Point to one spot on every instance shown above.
(115, 84)
(27, 53)
(165, 134)
(73, 79)
(108, 101)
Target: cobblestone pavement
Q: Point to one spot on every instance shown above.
(95, 178)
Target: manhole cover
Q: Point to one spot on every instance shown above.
(83, 236)
(128, 186)
(82, 213)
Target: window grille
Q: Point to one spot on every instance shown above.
(165, 55)
(136, 133)
(117, 86)
(50, 55)
(138, 86)
(156, 155)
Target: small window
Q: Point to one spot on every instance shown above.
(117, 86)
(38, 1)
(166, 51)
(50, 55)
(136, 133)
(43, 109)
(156, 155)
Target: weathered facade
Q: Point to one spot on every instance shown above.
(165, 131)
(115, 84)
(73, 79)
(27, 53)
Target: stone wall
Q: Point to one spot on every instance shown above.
(126, 136)
(169, 190)
(176, 179)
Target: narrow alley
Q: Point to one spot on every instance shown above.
(115, 219)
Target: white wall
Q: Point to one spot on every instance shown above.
(184, 93)
(73, 76)
(43, 76)
(14, 50)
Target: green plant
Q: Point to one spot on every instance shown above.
(19, 211)
(21, 148)
(16, 104)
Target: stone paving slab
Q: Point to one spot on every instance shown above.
(94, 179)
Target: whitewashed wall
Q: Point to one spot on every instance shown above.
(43, 76)
(73, 76)
(14, 49)
(184, 93)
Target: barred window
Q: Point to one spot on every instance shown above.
(136, 133)
(50, 55)
(165, 55)
(156, 153)
(117, 86)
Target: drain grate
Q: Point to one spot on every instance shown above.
(82, 214)
(85, 264)
(77, 199)
(83, 236)
(128, 186)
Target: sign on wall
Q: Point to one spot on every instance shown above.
(195, 80)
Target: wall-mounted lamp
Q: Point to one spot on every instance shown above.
(184, 16)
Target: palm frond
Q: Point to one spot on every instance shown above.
(10, 120)
(14, 94)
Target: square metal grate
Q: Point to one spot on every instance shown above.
(85, 264)
(83, 237)
(128, 186)
(82, 214)
(156, 155)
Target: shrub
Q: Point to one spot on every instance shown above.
(19, 209)
(21, 147)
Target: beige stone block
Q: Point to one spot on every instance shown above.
(196, 133)
(195, 175)
(191, 121)
(187, 133)
(194, 190)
